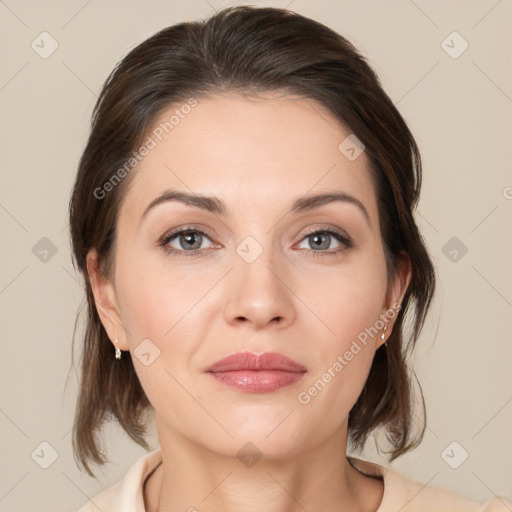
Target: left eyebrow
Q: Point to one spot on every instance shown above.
(315, 201)
(216, 206)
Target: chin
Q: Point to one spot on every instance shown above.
(258, 439)
(251, 449)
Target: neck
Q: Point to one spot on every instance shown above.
(192, 478)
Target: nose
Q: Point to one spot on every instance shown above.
(259, 294)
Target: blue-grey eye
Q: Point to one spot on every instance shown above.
(188, 240)
(321, 240)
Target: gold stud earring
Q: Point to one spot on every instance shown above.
(118, 351)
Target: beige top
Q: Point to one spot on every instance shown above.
(400, 493)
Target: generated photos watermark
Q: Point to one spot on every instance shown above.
(156, 136)
(304, 397)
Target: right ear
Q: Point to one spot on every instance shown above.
(106, 301)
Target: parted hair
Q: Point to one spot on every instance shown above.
(247, 50)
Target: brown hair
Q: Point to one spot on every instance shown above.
(247, 49)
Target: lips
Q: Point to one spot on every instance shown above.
(257, 373)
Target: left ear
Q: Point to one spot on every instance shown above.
(395, 294)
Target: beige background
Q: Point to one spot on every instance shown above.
(460, 111)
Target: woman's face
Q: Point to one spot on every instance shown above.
(254, 274)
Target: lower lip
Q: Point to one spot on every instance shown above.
(261, 381)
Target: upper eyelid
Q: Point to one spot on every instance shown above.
(326, 229)
(172, 233)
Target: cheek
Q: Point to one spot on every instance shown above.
(347, 299)
(349, 304)
(154, 309)
(163, 310)
(155, 296)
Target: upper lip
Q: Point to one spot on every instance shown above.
(255, 362)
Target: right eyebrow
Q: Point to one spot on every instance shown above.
(209, 203)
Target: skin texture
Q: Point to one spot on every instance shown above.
(257, 156)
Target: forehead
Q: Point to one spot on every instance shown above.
(254, 152)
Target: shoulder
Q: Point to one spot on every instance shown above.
(127, 493)
(497, 504)
(407, 495)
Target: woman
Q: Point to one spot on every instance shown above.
(243, 219)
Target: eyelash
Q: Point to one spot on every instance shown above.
(165, 239)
